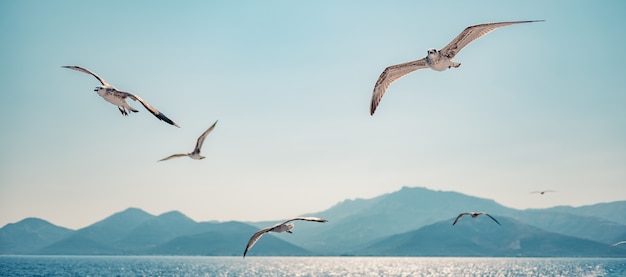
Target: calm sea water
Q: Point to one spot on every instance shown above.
(305, 266)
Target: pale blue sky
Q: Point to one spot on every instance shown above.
(534, 106)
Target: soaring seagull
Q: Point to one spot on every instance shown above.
(542, 191)
(436, 60)
(278, 228)
(118, 98)
(618, 243)
(195, 154)
(474, 215)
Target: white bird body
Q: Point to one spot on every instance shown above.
(435, 60)
(286, 226)
(195, 154)
(118, 98)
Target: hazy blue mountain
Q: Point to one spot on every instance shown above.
(228, 239)
(157, 230)
(30, 234)
(355, 223)
(101, 237)
(614, 211)
(483, 237)
(352, 224)
(587, 227)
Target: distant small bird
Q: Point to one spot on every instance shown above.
(278, 228)
(195, 154)
(118, 98)
(474, 215)
(618, 243)
(542, 191)
(436, 60)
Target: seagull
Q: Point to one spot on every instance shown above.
(618, 243)
(278, 228)
(436, 60)
(474, 215)
(118, 98)
(542, 191)
(195, 154)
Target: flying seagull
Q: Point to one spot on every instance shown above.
(118, 98)
(278, 228)
(618, 243)
(474, 215)
(542, 191)
(436, 60)
(195, 154)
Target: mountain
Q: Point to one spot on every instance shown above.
(100, 237)
(28, 235)
(171, 233)
(353, 226)
(481, 237)
(157, 230)
(228, 239)
(587, 227)
(614, 211)
(358, 222)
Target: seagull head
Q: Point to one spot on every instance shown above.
(289, 227)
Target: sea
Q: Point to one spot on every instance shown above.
(306, 266)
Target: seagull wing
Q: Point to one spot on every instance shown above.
(492, 218)
(84, 70)
(471, 33)
(173, 156)
(149, 107)
(306, 218)
(391, 74)
(202, 137)
(459, 217)
(618, 243)
(255, 238)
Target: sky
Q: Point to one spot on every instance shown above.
(532, 107)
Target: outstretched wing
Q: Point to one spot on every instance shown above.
(492, 218)
(150, 108)
(84, 70)
(202, 137)
(459, 217)
(391, 74)
(255, 238)
(173, 156)
(472, 33)
(618, 243)
(306, 218)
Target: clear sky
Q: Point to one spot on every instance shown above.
(533, 106)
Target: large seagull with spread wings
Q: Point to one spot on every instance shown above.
(118, 98)
(436, 60)
(278, 228)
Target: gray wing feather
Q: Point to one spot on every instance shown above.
(472, 33)
(255, 238)
(202, 137)
(306, 218)
(149, 107)
(492, 218)
(389, 75)
(459, 217)
(84, 70)
(173, 156)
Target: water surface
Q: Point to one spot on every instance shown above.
(305, 266)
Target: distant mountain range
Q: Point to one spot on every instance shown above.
(408, 222)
